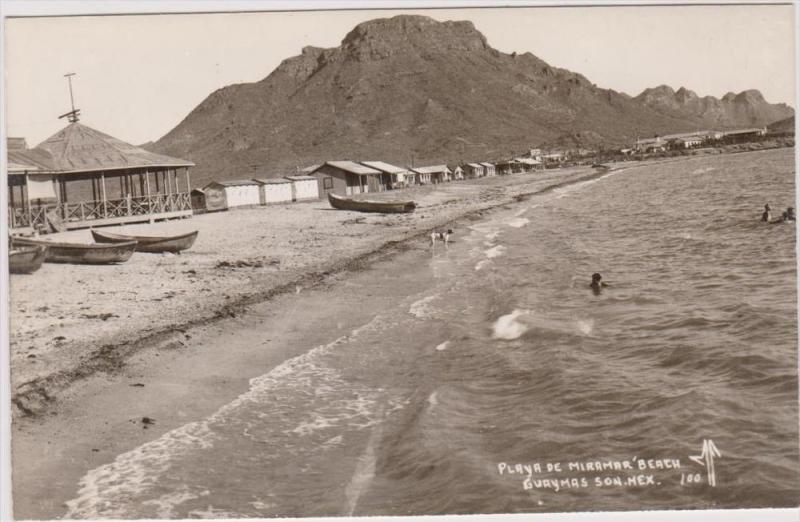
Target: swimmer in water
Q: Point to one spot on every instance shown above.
(766, 216)
(597, 283)
(790, 214)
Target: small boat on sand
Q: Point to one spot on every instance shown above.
(152, 244)
(79, 253)
(365, 205)
(26, 260)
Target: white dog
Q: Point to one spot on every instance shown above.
(443, 235)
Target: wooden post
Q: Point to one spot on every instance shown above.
(27, 203)
(147, 182)
(64, 200)
(188, 182)
(103, 186)
(94, 189)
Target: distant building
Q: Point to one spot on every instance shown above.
(688, 142)
(489, 169)
(506, 167)
(458, 172)
(276, 191)
(347, 178)
(528, 164)
(392, 175)
(433, 173)
(553, 158)
(473, 170)
(304, 188)
(744, 134)
(198, 201)
(656, 144)
(225, 195)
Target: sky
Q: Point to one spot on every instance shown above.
(137, 77)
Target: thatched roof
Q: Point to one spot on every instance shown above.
(78, 148)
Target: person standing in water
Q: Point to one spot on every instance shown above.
(766, 216)
(597, 283)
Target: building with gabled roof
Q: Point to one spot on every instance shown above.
(474, 170)
(488, 168)
(347, 178)
(393, 176)
(433, 173)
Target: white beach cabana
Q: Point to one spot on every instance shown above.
(274, 191)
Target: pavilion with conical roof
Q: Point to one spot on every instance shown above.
(81, 177)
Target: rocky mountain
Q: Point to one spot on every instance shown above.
(746, 109)
(411, 89)
(784, 125)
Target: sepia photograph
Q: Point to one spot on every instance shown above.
(272, 260)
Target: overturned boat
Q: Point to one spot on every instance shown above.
(366, 205)
(79, 253)
(151, 244)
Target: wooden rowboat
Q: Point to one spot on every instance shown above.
(365, 205)
(26, 260)
(80, 253)
(153, 244)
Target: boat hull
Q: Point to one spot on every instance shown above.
(382, 207)
(78, 253)
(150, 244)
(26, 260)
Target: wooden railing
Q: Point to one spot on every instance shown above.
(20, 217)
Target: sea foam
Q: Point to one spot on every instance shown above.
(507, 327)
(495, 251)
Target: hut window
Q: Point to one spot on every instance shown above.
(327, 183)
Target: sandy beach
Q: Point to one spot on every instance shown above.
(70, 321)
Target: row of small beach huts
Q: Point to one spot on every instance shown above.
(344, 178)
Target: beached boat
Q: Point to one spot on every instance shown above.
(26, 260)
(365, 205)
(79, 253)
(153, 244)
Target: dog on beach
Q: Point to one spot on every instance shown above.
(441, 235)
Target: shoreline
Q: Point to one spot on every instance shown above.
(186, 373)
(36, 395)
(102, 414)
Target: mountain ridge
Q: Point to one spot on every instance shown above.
(412, 89)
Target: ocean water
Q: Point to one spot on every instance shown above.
(507, 385)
